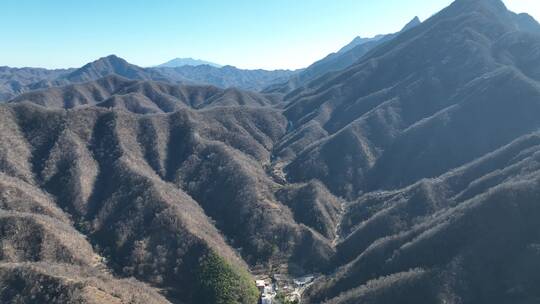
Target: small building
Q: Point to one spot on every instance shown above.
(268, 290)
(261, 285)
(303, 281)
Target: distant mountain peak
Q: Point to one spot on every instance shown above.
(105, 66)
(358, 41)
(413, 23)
(110, 60)
(497, 10)
(179, 62)
(112, 57)
(362, 40)
(496, 6)
(527, 23)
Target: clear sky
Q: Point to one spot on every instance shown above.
(266, 34)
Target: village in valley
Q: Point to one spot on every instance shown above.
(282, 289)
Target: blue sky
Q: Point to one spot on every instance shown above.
(266, 34)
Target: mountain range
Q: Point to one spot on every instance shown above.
(409, 175)
(143, 96)
(344, 58)
(14, 82)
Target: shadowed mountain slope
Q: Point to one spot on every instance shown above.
(435, 132)
(338, 61)
(462, 65)
(470, 235)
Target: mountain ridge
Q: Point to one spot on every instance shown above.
(14, 82)
(142, 96)
(338, 61)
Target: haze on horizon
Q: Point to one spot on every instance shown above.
(277, 34)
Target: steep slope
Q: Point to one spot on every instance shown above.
(469, 236)
(313, 205)
(436, 81)
(142, 224)
(61, 283)
(527, 23)
(433, 136)
(344, 58)
(357, 41)
(34, 238)
(163, 198)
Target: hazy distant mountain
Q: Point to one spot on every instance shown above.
(226, 77)
(412, 176)
(180, 62)
(343, 59)
(359, 40)
(14, 81)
